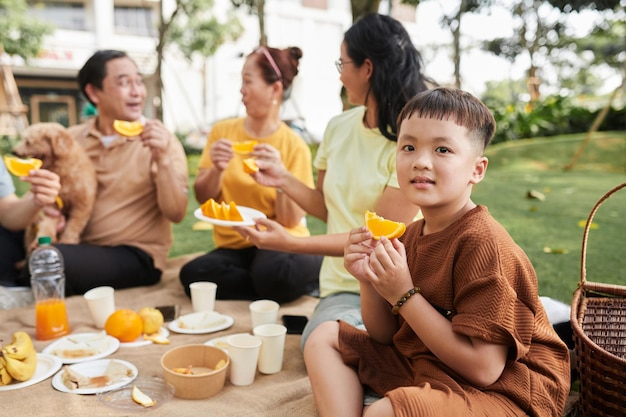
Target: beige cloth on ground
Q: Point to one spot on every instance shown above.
(287, 393)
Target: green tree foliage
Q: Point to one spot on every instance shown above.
(20, 34)
(568, 6)
(194, 29)
(202, 33)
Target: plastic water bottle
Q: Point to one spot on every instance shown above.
(47, 279)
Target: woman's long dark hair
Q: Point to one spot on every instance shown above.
(397, 75)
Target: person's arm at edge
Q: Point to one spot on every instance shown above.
(17, 213)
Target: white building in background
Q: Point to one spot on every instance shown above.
(195, 94)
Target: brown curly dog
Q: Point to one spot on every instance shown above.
(60, 153)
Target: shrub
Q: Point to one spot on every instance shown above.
(555, 115)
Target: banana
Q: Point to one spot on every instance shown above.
(22, 370)
(20, 347)
(5, 376)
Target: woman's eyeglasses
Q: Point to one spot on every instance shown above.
(339, 64)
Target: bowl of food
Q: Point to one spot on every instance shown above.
(195, 371)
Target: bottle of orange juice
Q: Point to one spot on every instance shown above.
(47, 278)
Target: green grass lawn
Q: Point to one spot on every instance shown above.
(515, 168)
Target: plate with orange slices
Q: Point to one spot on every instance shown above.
(247, 213)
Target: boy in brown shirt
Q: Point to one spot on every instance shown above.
(455, 326)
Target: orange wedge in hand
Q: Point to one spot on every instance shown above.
(379, 226)
(250, 166)
(21, 167)
(244, 147)
(128, 129)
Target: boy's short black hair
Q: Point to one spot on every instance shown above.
(456, 105)
(95, 69)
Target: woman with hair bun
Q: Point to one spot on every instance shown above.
(241, 270)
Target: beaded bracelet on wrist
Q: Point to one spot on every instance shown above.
(396, 308)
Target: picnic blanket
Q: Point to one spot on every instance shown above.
(287, 393)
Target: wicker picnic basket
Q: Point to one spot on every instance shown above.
(598, 317)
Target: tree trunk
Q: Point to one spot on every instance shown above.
(594, 127)
(363, 7)
(261, 14)
(456, 39)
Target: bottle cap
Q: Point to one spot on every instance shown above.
(44, 240)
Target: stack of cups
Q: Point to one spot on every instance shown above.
(264, 314)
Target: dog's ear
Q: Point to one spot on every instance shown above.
(60, 141)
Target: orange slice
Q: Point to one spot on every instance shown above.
(379, 226)
(234, 212)
(221, 211)
(128, 129)
(244, 147)
(220, 365)
(157, 338)
(250, 166)
(140, 398)
(21, 167)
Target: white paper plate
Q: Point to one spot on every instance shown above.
(103, 343)
(47, 365)
(175, 324)
(247, 213)
(93, 368)
(220, 342)
(163, 332)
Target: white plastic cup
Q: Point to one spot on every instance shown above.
(263, 312)
(203, 295)
(101, 303)
(272, 347)
(243, 350)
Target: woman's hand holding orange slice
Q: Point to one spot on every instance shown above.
(250, 166)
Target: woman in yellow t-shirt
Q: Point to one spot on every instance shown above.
(240, 269)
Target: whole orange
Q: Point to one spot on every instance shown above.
(126, 325)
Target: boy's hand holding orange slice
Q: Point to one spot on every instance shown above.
(380, 226)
